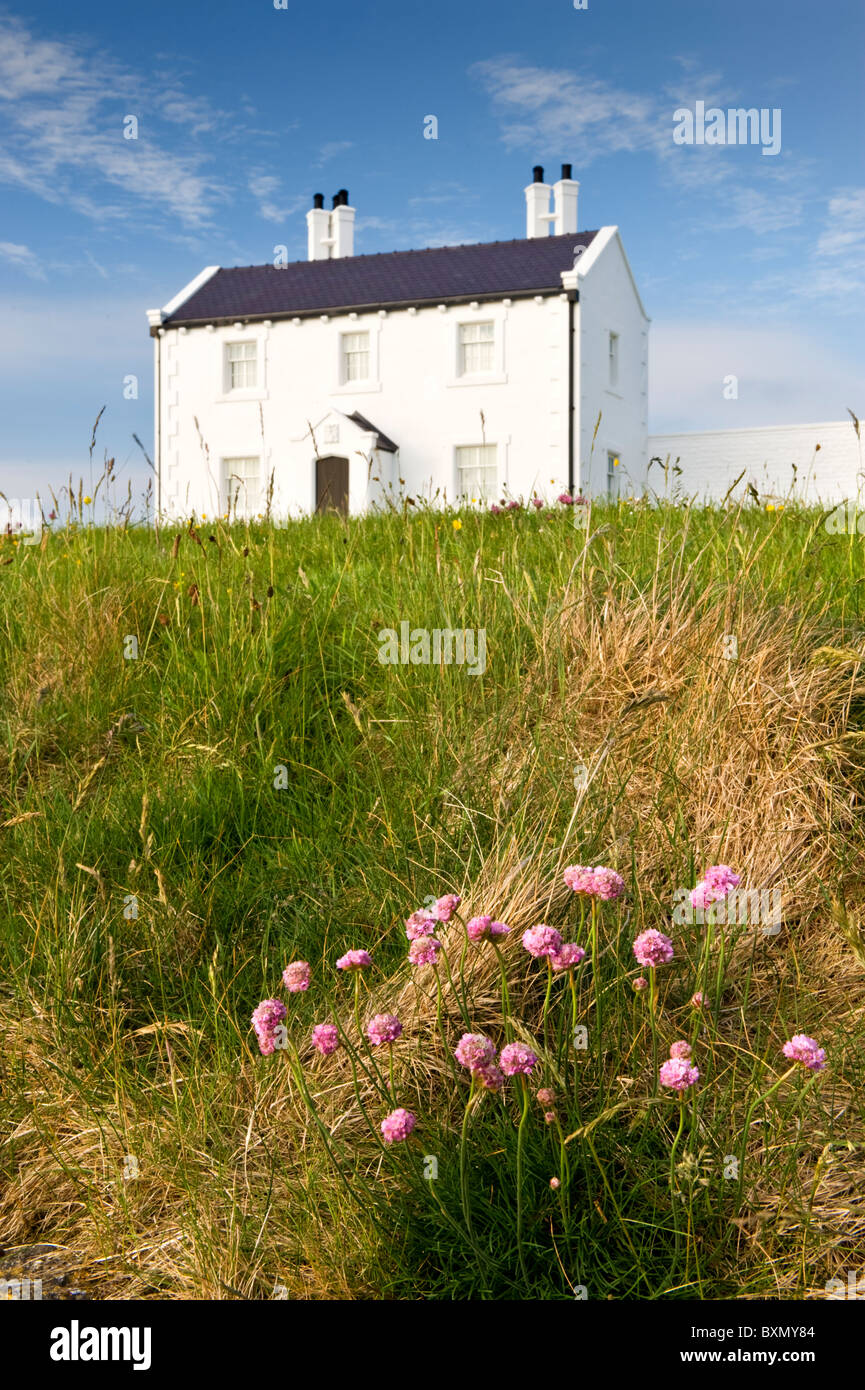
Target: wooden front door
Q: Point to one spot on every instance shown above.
(331, 484)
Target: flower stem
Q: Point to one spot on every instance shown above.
(520, 1148)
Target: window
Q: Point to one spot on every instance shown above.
(477, 346)
(242, 486)
(242, 365)
(613, 471)
(477, 474)
(614, 359)
(355, 356)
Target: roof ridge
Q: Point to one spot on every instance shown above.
(417, 251)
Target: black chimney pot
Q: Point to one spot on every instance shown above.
(335, 201)
(318, 200)
(566, 171)
(538, 173)
(343, 197)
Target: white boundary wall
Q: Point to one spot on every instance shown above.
(711, 461)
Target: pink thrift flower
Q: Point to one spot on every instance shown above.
(607, 884)
(542, 941)
(384, 1028)
(397, 1126)
(803, 1049)
(681, 1049)
(566, 499)
(678, 1074)
(424, 950)
(514, 506)
(550, 1117)
(484, 929)
(266, 1020)
(653, 948)
(581, 501)
(569, 956)
(722, 876)
(537, 502)
(546, 1096)
(516, 1057)
(489, 1076)
(578, 878)
(421, 923)
(496, 510)
(475, 1051)
(325, 1036)
(640, 984)
(296, 976)
(555, 1184)
(354, 960)
(445, 908)
(698, 999)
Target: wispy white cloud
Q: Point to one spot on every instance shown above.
(265, 188)
(23, 258)
(330, 150)
(64, 139)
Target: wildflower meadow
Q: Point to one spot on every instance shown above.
(324, 977)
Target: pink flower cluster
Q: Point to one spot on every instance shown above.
(717, 883)
(601, 883)
(421, 923)
(296, 976)
(444, 909)
(568, 957)
(325, 1036)
(354, 960)
(424, 950)
(266, 1020)
(478, 1054)
(652, 948)
(398, 1125)
(803, 1049)
(542, 941)
(485, 929)
(384, 1028)
(678, 1074)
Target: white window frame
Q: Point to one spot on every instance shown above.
(497, 315)
(465, 348)
(370, 326)
(345, 353)
(614, 474)
(613, 346)
(242, 352)
(488, 495)
(234, 498)
(222, 365)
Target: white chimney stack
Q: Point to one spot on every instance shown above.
(538, 205)
(330, 234)
(342, 225)
(565, 191)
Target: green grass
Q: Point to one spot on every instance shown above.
(151, 782)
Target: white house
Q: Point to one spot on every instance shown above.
(473, 371)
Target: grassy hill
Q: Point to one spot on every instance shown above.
(207, 771)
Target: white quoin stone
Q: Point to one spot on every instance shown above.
(318, 233)
(565, 193)
(342, 231)
(538, 209)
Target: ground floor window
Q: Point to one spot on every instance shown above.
(477, 472)
(241, 483)
(614, 468)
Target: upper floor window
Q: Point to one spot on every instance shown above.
(614, 359)
(242, 365)
(477, 348)
(477, 472)
(355, 356)
(242, 486)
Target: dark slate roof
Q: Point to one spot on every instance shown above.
(381, 440)
(395, 278)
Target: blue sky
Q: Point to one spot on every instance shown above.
(749, 265)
